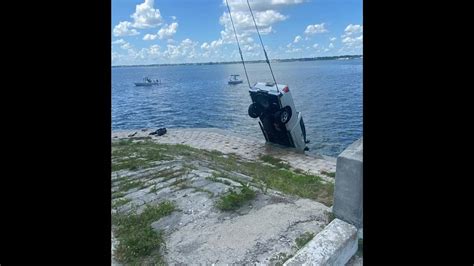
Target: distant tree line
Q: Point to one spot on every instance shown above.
(254, 61)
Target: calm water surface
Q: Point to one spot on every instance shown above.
(328, 93)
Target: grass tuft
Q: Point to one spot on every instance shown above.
(275, 161)
(330, 174)
(303, 239)
(234, 200)
(136, 238)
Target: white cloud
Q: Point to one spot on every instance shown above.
(239, 5)
(211, 46)
(244, 24)
(294, 50)
(187, 42)
(315, 46)
(185, 50)
(352, 30)
(135, 57)
(119, 41)
(146, 16)
(115, 56)
(286, 2)
(266, 16)
(205, 46)
(150, 37)
(326, 50)
(269, 17)
(352, 45)
(332, 39)
(331, 45)
(126, 46)
(124, 28)
(247, 40)
(172, 51)
(297, 39)
(349, 41)
(168, 31)
(154, 49)
(289, 45)
(314, 29)
(268, 13)
(215, 44)
(251, 47)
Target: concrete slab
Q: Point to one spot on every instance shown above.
(335, 245)
(199, 233)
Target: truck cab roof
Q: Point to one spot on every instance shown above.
(268, 87)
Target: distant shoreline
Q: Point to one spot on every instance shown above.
(252, 62)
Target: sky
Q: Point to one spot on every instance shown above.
(188, 31)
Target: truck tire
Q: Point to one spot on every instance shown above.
(255, 110)
(283, 115)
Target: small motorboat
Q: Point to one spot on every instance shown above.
(235, 79)
(148, 82)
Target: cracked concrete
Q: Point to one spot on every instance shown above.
(198, 232)
(251, 238)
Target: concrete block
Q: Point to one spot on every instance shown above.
(334, 245)
(348, 197)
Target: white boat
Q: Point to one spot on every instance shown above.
(235, 79)
(148, 82)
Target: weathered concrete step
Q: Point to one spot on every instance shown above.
(334, 245)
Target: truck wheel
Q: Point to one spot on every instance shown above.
(284, 115)
(255, 110)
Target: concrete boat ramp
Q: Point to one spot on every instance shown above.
(269, 229)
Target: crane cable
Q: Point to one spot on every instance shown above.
(240, 51)
(265, 52)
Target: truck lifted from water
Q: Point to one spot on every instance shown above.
(279, 121)
(273, 104)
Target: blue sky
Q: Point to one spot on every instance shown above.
(183, 31)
